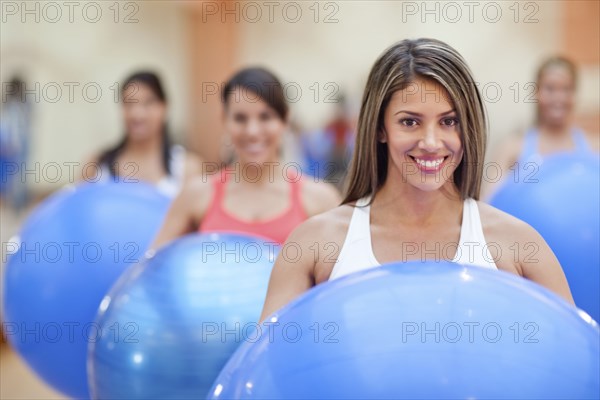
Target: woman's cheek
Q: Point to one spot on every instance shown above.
(234, 128)
(275, 129)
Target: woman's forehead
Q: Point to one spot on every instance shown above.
(422, 92)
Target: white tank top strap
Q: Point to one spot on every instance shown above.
(357, 252)
(359, 223)
(177, 162)
(473, 248)
(171, 185)
(103, 174)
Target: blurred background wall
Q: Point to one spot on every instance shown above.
(319, 49)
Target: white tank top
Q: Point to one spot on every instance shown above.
(357, 253)
(169, 185)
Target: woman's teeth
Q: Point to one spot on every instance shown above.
(429, 163)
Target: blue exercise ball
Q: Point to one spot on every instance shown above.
(69, 252)
(561, 200)
(420, 330)
(170, 324)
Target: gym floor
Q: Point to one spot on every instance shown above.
(18, 381)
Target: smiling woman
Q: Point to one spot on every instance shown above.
(414, 183)
(554, 131)
(438, 153)
(145, 152)
(257, 194)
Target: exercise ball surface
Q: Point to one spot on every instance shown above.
(420, 330)
(561, 200)
(70, 251)
(177, 318)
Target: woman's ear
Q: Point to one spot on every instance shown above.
(382, 136)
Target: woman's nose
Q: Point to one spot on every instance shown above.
(252, 127)
(430, 140)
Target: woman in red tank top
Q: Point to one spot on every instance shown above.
(257, 194)
(277, 228)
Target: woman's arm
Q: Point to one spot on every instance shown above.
(522, 250)
(193, 166)
(185, 213)
(539, 264)
(290, 278)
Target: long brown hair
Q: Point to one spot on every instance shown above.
(399, 66)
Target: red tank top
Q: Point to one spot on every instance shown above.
(277, 229)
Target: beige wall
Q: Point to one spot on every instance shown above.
(500, 54)
(581, 42)
(104, 53)
(190, 47)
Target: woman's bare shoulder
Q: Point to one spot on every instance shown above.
(196, 195)
(318, 197)
(505, 229)
(319, 239)
(193, 165)
(330, 225)
(510, 240)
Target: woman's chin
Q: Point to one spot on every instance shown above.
(139, 136)
(429, 185)
(256, 158)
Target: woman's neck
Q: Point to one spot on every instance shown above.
(252, 173)
(149, 146)
(408, 205)
(555, 129)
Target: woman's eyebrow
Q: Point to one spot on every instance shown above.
(409, 112)
(447, 112)
(420, 115)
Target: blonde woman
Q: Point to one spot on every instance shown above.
(414, 185)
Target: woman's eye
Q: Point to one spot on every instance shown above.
(408, 122)
(450, 121)
(239, 118)
(265, 117)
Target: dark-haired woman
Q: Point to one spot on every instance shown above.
(257, 194)
(145, 153)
